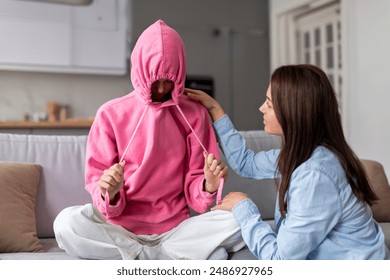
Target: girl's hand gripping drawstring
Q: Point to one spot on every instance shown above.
(216, 165)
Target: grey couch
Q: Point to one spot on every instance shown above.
(61, 184)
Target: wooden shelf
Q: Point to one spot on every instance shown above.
(71, 123)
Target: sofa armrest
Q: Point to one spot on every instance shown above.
(377, 177)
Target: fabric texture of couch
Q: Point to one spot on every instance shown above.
(43, 174)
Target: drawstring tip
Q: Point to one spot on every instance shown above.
(220, 190)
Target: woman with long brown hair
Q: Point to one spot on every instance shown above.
(322, 210)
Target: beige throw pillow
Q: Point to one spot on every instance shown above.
(18, 187)
(378, 179)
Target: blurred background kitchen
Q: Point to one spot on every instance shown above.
(61, 59)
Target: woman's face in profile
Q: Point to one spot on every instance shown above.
(271, 123)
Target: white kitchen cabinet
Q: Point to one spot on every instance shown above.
(51, 37)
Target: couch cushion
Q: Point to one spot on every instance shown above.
(62, 158)
(386, 230)
(51, 252)
(18, 187)
(378, 179)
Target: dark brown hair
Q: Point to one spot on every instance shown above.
(306, 107)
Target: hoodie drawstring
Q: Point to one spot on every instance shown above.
(107, 196)
(135, 131)
(222, 179)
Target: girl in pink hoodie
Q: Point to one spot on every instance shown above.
(150, 157)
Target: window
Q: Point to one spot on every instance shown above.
(319, 42)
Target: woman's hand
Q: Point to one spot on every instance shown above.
(112, 181)
(213, 169)
(230, 200)
(215, 109)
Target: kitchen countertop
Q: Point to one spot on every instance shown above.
(69, 123)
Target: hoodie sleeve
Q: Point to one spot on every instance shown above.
(200, 200)
(101, 154)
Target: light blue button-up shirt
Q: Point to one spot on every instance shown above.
(324, 219)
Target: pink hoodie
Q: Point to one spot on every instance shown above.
(163, 174)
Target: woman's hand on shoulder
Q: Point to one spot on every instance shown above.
(215, 109)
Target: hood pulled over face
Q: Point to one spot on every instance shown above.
(159, 54)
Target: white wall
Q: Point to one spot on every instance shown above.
(368, 77)
(366, 45)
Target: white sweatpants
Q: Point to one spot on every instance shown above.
(82, 231)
